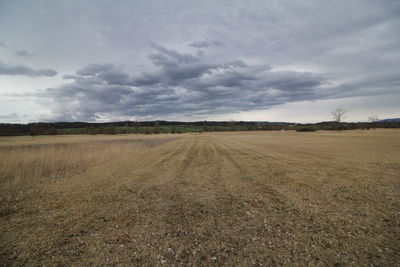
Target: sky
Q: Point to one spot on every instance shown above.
(267, 60)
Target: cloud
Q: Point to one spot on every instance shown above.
(205, 44)
(169, 56)
(9, 117)
(23, 53)
(180, 83)
(93, 69)
(231, 57)
(200, 44)
(17, 69)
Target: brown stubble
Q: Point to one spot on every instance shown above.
(278, 198)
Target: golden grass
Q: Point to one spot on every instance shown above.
(216, 199)
(25, 159)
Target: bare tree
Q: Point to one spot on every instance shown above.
(338, 116)
(373, 120)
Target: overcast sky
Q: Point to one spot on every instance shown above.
(99, 60)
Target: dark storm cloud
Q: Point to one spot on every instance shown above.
(17, 69)
(181, 83)
(198, 57)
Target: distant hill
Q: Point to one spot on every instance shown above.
(390, 120)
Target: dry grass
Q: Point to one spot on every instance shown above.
(24, 160)
(279, 198)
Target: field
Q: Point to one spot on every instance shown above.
(237, 198)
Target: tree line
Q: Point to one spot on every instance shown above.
(157, 127)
